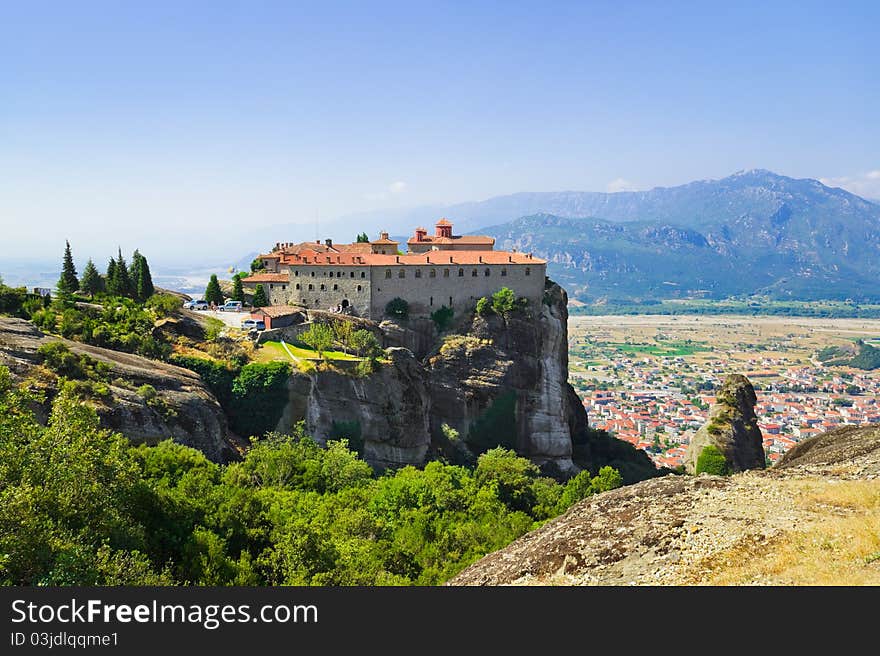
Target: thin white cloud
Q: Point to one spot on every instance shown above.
(394, 189)
(619, 184)
(866, 185)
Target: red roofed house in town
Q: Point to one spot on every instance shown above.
(362, 278)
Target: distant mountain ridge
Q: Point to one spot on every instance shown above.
(754, 232)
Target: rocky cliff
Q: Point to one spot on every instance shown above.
(498, 380)
(732, 428)
(183, 408)
(814, 519)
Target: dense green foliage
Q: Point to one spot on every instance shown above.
(79, 506)
(363, 238)
(496, 426)
(213, 293)
(397, 308)
(252, 396)
(141, 278)
(260, 299)
(732, 306)
(68, 283)
(118, 323)
(484, 306)
(868, 357)
(712, 461)
(118, 278)
(503, 301)
(319, 337)
(442, 318)
(92, 283)
(237, 288)
(257, 265)
(365, 343)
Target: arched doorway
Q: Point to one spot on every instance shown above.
(344, 303)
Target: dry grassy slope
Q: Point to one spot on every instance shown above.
(813, 519)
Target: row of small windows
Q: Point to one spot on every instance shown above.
(324, 287)
(338, 274)
(433, 273)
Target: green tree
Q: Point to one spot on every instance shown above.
(118, 278)
(484, 306)
(712, 461)
(91, 283)
(257, 265)
(503, 301)
(319, 336)
(608, 478)
(110, 278)
(442, 318)
(509, 475)
(141, 277)
(260, 299)
(68, 282)
(397, 308)
(342, 332)
(365, 343)
(237, 288)
(363, 238)
(213, 293)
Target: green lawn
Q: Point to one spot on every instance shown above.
(663, 349)
(270, 351)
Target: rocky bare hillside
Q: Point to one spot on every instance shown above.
(184, 409)
(812, 519)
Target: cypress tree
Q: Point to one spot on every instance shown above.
(213, 293)
(123, 279)
(141, 277)
(110, 280)
(237, 289)
(260, 299)
(92, 283)
(68, 282)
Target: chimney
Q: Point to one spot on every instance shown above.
(451, 260)
(328, 243)
(427, 259)
(383, 235)
(510, 258)
(481, 258)
(397, 258)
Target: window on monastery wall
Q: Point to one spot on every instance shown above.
(387, 273)
(450, 301)
(445, 273)
(431, 301)
(313, 274)
(297, 285)
(359, 288)
(296, 273)
(283, 287)
(323, 287)
(271, 286)
(418, 273)
(460, 273)
(352, 274)
(503, 272)
(335, 287)
(486, 272)
(401, 274)
(474, 273)
(311, 287)
(528, 271)
(433, 273)
(364, 275)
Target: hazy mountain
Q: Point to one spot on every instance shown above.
(753, 232)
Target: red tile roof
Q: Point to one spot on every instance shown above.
(267, 277)
(275, 311)
(436, 258)
(455, 239)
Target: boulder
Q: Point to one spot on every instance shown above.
(732, 428)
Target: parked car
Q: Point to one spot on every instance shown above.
(249, 324)
(230, 306)
(196, 304)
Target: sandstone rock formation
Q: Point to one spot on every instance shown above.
(191, 414)
(732, 428)
(510, 373)
(770, 527)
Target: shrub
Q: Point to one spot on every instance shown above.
(712, 461)
(397, 308)
(484, 307)
(147, 392)
(442, 318)
(503, 301)
(164, 304)
(350, 431)
(365, 343)
(259, 394)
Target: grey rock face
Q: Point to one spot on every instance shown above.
(732, 428)
(193, 416)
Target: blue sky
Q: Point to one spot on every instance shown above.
(152, 123)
